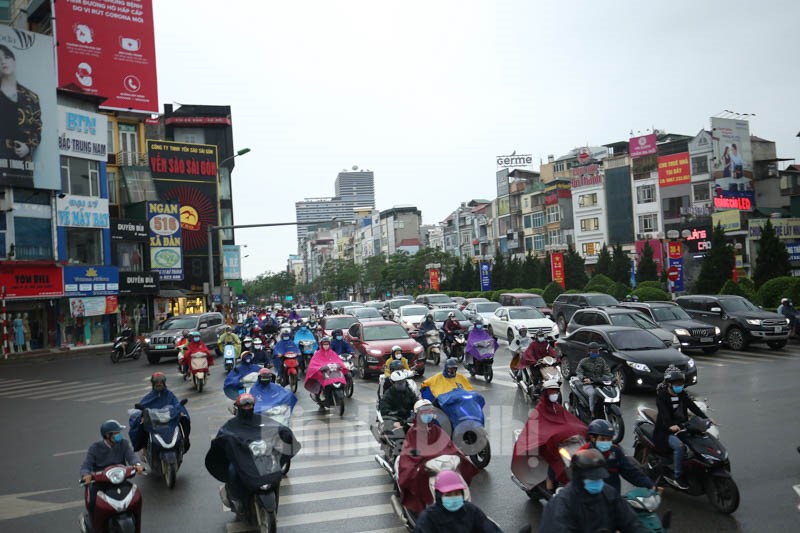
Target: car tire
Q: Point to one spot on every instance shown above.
(735, 339)
(362, 368)
(623, 378)
(510, 335)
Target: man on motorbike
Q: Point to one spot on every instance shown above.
(447, 380)
(601, 436)
(477, 335)
(397, 355)
(587, 503)
(284, 345)
(517, 348)
(268, 394)
(196, 345)
(229, 336)
(450, 512)
(673, 403)
(338, 344)
(158, 398)
(233, 385)
(321, 358)
(293, 315)
(247, 344)
(589, 369)
(536, 351)
(427, 325)
(450, 327)
(398, 400)
(787, 309)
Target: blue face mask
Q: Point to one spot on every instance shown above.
(338, 337)
(603, 445)
(117, 437)
(452, 503)
(426, 418)
(594, 355)
(593, 486)
(284, 338)
(677, 389)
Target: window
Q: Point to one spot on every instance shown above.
(33, 238)
(528, 244)
(110, 147)
(527, 222)
(128, 256)
(537, 219)
(137, 184)
(699, 165)
(554, 237)
(590, 224)
(671, 207)
(701, 192)
(648, 223)
(591, 248)
(587, 200)
(31, 196)
(224, 183)
(84, 246)
(525, 201)
(559, 167)
(227, 220)
(80, 176)
(539, 242)
(645, 194)
(113, 187)
(553, 214)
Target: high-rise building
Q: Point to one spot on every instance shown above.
(357, 186)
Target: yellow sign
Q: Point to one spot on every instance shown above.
(730, 220)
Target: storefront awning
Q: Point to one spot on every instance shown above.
(171, 293)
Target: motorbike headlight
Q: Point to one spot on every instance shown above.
(116, 475)
(641, 367)
(418, 349)
(718, 331)
(372, 351)
(754, 321)
(710, 458)
(682, 332)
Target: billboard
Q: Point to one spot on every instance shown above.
(93, 306)
(106, 48)
(82, 134)
(658, 252)
(514, 160)
(785, 228)
(486, 276)
(164, 221)
(557, 268)
(28, 281)
(732, 163)
(641, 146)
(28, 113)
(674, 170)
(82, 211)
(232, 261)
(586, 176)
(729, 220)
(91, 280)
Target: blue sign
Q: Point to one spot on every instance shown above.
(793, 247)
(486, 276)
(678, 263)
(633, 273)
(91, 281)
(232, 261)
(289, 298)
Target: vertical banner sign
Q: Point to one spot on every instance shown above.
(106, 48)
(557, 268)
(486, 276)
(633, 273)
(163, 218)
(677, 263)
(433, 275)
(232, 263)
(732, 164)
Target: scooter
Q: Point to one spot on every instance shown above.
(458, 345)
(229, 354)
(347, 361)
(409, 374)
(609, 399)
(464, 410)
(199, 370)
(260, 506)
(548, 368)
(483, 360)
(706, 466)
(289, 373)
(165, 443)
(390, 440)
(118, 503)
(531, 476)
(307, 349)
(645, 503)
(125, 349)
(433, 341)
(333, 383)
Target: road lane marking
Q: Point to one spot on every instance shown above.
(95, 391)
(334, 494)
(334, 436)
(14, 506)
(65, 386)
(24, 385)
(303, 464)
(73, 452)
(332, 515)
(71, 388)
(337, 476)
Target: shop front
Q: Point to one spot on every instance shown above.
(136, 300)
(90, 305)
(31, 290)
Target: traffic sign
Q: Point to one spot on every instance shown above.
(673, 273)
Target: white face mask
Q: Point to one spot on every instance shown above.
(398, 355)
(553, 398)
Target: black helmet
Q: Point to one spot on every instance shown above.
(450, 364)
(593, 347)
(673, 374)
(600, 428)
(396, 365)
(110, 426)
(589, 464)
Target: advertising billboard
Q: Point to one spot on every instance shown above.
(232, 261)
(486, 276)
(732, 163)
(82, 134)
(658, 252)
(557, 268)
(106, 48)
(93, 306)
(164, 221)
(91, 280)
(514, 160)
(433, 278)
(729, 220)
(785, 228)
(586, 176)
(82, 212)
(674, 170)
(25, 281)
(643, 145)
(28, 113)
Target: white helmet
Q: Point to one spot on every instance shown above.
(422, 404)
(451, 315)
(551, 384)
(397, 376)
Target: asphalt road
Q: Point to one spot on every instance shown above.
(52, 410)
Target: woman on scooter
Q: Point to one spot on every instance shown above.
(196, 345)
(476, 335)
(601, 436)
(321, 358)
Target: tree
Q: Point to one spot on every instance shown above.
(620, 270)
(499, 272)
(547, 272)
(456, 279)
(469, 280)
(773, 257)
(648, 270)
(574, 270)
(717, 267)
(514, 273)
(398, 272)
(603, 265)
(372, 275)
(530, 272)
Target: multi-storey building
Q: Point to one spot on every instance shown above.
(398, 224)
(357, 187)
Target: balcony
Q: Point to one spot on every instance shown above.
(128, 159)
(790, 183)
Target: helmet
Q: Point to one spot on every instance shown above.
(593, 347)
(673, 373)
(245, 399)
(185, 333)
(522, 330)
(265, 375)
(589, 464)
(479, 324)
(246, 340)
(422, 405)
(247, 357)
(396, 348)
(194, 334)
(448, 481)
(397, 375)
(450, 364)
(111, 426)
(257, 342)
(784, 300)
(396, 365)
(601, 428)
(228, 328)
(158, 377)
(325, 339)
(451, 315)
(551, 383)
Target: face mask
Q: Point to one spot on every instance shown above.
(452, 503)
(540, 339)
(478, 327)
(117, 437)
(245, 413)
(553, 398)
(326, 346)
(284, 338)
(426, 418)
(594, 355)
(593, 486)
(338, 337)
(398, 355)
(603, 445)
(196, 339)
(677, 389)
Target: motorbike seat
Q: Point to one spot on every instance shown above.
(650, 414)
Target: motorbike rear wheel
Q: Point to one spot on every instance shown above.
(437, 357)
(338, 400)
(116, 355)
(137, 353)
(488, 374)
(482, 458)
(722, 493)
(286, 464)
(198, 383)
(170, 474)
(293, 382)
(615, 420)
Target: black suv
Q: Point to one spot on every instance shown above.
(740, 321)
(566, 304)
(436, 301)
(692, 334)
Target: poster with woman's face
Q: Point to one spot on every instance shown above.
(28, 112)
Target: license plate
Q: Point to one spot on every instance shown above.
(706, 339)
(160, 347)
(778, 329)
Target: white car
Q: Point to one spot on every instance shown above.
(410, 316)
(482, 310)
(506, 321)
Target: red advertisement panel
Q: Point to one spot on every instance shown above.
(27, 281)
(557, 268)
(434, 279)
(107, 48)
(675, 250)
(674, 170)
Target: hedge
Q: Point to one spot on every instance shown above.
(771, 292)
(650, 294)
(552, 291)
(600, 283)
(650, 284)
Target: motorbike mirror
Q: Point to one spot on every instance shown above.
(184, 401)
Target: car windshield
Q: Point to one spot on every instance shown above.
(672, 312)
(366, 312)
(439, 299)
(595, 300)
(525, 313)
(441, 316)
(635, 340)
(342, 322)
(386, 332)
(488, 307)
(303, 313)
(631, 320)
(180, 323)
(375, 305)
(532, 301)
(396, 304)
(738, 304)
(417, 310)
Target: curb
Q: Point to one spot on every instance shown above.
(60, 353)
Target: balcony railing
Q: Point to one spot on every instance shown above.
(128, 159)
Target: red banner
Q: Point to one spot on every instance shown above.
(675, 250)
(27, 281)
(674, 170)
(557, 268)
(434, 279)
(106, 48)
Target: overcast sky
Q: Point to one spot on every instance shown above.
(426, 93)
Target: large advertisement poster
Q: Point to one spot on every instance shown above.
(732, 164)
(557, 268)
(643, 145)
(28, 114)
(106, 48)
(674, 170)
(163, 219)
(232, 261)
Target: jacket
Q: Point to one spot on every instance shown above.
(468, 519)
(439, 384)
(668, 417)
(618, 464)
(573, 510)
(232, 337)
(536, 352)
(193, 347)
(386, 367)
(397, 402)
(451, 325)
(592, 368)
(100, 455)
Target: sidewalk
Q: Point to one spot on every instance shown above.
(94, 349)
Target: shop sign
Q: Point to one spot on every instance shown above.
(699, 240)
(139, 283)
(128, 230)
(785, 228)
(91, 280)
(22, 281)
(793, 248)
(643, 145)
(82, 134)
(164, 221)
(82, 212)
(93, 306)
(730, 220)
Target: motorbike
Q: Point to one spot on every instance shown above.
(531, 476)
(390, 440)
(458, 345)
(609, 399)
(164, 448)
(464, 410)
(118, 504)
(282, 414)
(229, 354)
(333, 383)
(289, 374)
(482, 360)
(347, 361)
(124, 348)
(644, 503)
(199, 370)
(548, 368)
(706, 465)
(410, 374)
(433, 342)
(307, 349)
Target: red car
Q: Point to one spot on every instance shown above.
(373, 341)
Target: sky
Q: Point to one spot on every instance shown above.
(427, 93)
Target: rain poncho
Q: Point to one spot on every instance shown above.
(304, 334)
(314, 373)
(439, 384)
(340, 346)
(153, 400)
(271, 395)
(282, 346)
(234, 377)
(475, 336)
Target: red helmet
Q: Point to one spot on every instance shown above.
(245, 399)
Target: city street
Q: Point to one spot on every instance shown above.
(52, 410)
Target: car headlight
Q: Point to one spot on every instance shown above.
(641, 367)
(788, 321)
(754, 321)
(675, 339)
(554, 331)
(418, 349)
(718, 331)
(375, 352)
(147, 340)
(690, 364)
(682, 332)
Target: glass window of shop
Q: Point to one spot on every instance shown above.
(128, 256)
(31, 196)
(33, 238)
(84, 246)
(80, 176)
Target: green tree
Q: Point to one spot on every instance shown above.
(469, 280)
(574, 270)
(399, 274)
(372, 275)
(530, 272)
(603, 265)
(620, 268)
(456, 278)
(546, 272)
(717, 267)
(513, 273)
(499, 272)
(773, 257)
(647, 269)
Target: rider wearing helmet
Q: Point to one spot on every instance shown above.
(158, 398)
(451, 326)
(269, 395)
(247, 344)
(787, 309)
(338, 344)
(587, 503)
(229, 336)
(398, 400)
(396, 355)
(450, 510)
(589, 369)
(196, 345)
(234, 381)
(673, 404)
(321, 358)
(447, 380)
(111, 450)
(429, 324)
(538, 349)
(601, 436)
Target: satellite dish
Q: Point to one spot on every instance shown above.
(355, 167)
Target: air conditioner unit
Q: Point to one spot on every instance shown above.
(112, 159)
(641, 236)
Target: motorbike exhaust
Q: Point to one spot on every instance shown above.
(383, 464)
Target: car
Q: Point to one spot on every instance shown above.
(566, 304)
(390, 307)
(334, 322)
(527, 300)
(438, 301)
(345, 308)
(620, 316)
(373, 343)
(375, 304)
(410, 316)
(335, 304)
(637, 358)
(482, 310)
(692, 334)
(161, 343)
(304, 313)
(459, 301)
(365, 314)
(440, 315)
(740, 321)
(506, 321)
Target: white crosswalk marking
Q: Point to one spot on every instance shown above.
(337, 514)
(338, 493)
